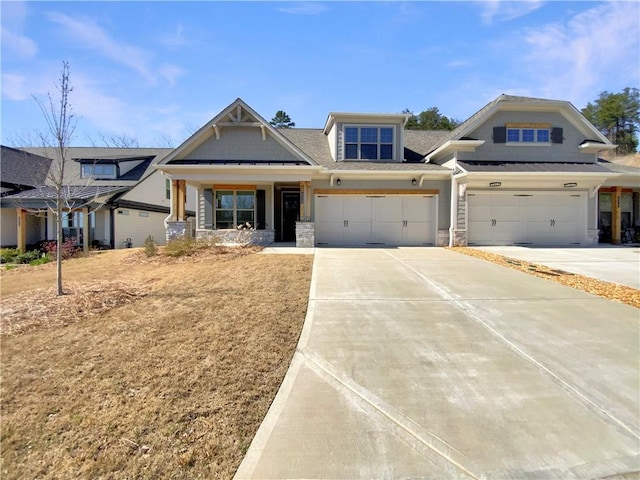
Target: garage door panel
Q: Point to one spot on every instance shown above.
(526, 218)
(375, 219)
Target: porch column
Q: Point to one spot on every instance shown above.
(616, 216)
(22, 229)
(178, 200)
(305, 201)
(85, 230)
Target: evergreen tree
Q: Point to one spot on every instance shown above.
(430, 119)
(617, 116)
(282, 120)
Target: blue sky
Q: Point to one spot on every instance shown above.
(157, 71)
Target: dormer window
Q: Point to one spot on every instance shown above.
(99, 170)
(368, 143)
(528, 135)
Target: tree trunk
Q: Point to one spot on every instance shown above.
(59, 241)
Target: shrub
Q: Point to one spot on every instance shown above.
(69, 248)
(27, 257)
(150, 248)
(45, 258)
(8, 255)
(186, 246)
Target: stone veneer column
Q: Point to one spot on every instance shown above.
(305, 234)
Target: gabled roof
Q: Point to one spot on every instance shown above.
(237, 114)
(20, 169)
(314, 143)
(512, 102)
(146, 156)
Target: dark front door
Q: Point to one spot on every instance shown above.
(290, 212)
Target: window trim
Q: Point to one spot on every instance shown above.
(534, 142)
(235, 208)
(379, 143)
(87, 170)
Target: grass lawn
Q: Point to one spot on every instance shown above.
(148, 368)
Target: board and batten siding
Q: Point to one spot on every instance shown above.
(9, 230)
(567, 151)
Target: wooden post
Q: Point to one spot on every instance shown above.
(85, 230)
(305, 201)
(178, 200)
(616, 216)
(22, 229)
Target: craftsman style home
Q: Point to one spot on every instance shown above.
(114, 197)
(520, 171)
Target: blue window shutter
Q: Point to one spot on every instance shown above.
(499, 134)
(208, 208)
(556, 135)
(261, 214)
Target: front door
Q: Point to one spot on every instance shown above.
(290, 212)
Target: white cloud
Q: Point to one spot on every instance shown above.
(90, 35)
(589, 53)
(176, 39)
(504, 11)
(14, 87)
(304, 8)
(459, 63)
(14, 42)
(170, 73)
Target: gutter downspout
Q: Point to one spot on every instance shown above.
(454, 200)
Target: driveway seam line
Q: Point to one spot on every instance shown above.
(323, 367)
(468, 309)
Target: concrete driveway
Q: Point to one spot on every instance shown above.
(617, 264)
(426, 363)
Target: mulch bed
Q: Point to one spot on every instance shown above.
(611, 291)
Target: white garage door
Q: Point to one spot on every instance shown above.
(375, 219)
(526, 218)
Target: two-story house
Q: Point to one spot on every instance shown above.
(519, 171)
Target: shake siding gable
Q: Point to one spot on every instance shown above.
(561, 151)
(240, 143)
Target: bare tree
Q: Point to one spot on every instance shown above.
(61, 125)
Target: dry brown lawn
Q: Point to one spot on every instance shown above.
(148, 368)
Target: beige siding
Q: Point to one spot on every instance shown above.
(138, 225)
(8, 227)
(152, 191)
(241, 143)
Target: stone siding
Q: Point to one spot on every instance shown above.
(305, 234)
(176, 230)
(238, 237)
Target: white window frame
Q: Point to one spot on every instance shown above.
(535, 140)
(235, 208)
(378, 143)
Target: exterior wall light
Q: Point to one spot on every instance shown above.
(414, 182)
(338, 182)
(495, 184)
(570, 185)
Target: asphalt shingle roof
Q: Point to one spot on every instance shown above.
(314, 143)
(21, 168)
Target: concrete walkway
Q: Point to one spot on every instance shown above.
(611, 263)
(426, 363)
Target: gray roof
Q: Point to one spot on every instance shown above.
(619, 168)
(501, 167)
(457, 132)
(21, 169)
(314, 143)
(74, 196)
(148, 157)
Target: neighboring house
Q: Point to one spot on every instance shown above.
(114, 197)
(20, 171)
(521, 171)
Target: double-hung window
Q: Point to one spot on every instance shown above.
(234, 208)
(368, 143)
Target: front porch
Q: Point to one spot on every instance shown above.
(262, 213)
